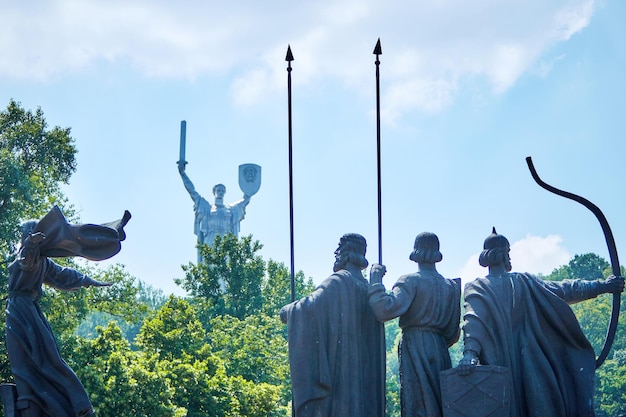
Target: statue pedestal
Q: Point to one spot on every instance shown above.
(485, 392)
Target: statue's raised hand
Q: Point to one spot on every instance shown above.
(377, 272)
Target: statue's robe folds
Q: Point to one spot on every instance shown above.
(336, 351)
(525, 324)
(41, 375)
(212, 220)
(429, 307)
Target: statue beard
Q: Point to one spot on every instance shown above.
(507, 264)
(340, 262)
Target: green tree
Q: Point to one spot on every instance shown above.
(173, 331)
(228, 281)
(253, 348)
(593, 316)
(276, 288)
(142, 298)
(393, 335)
(611, 387)
(121, 382)
(34, 162)
(588, 266)
(66, 310)
(239, 371)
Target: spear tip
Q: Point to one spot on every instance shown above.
(289, 56)
(378, 50)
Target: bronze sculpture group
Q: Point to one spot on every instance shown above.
(514, 322)
(511, 320)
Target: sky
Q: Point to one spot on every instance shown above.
(468, 91)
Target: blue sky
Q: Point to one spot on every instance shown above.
(468, 91)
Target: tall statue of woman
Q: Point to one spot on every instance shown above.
(212, 219)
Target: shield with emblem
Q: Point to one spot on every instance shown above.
(249, 178)
(485, 392)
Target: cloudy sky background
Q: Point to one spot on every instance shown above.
(468, 91)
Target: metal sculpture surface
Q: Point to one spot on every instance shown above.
(212, 219)
(520, 322)
(334, 346)
(486, 391)
(429, 307)
(46, 386)
(610, 242)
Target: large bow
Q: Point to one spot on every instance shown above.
(610, 241)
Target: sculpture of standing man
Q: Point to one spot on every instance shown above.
(520, 322)
(218, 218)
(334, 342)
(429, 307)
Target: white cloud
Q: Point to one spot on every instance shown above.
(545, 67)
(429, 49)
(539, 255)
(572, 19)
(251, 88)
(471, 270)
(534, 254)
(427, 95)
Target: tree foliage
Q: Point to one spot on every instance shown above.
(253, 348)
(593, 316)
(610, 386)
(588, 266)
(220, 351)
(122, 382)
(34, 162)
(233, 280)
(212, 353)
(173, 331)
(229, 278)
(276, 288)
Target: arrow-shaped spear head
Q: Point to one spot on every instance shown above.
(289, 56)
(378, 50)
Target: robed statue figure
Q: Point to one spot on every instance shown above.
(45, 386)
(212, 219)
(335, 348)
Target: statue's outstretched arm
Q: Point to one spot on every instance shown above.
(187, 183)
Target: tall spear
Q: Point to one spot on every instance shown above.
(378, 51)
(383, 351)
(289, 58)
